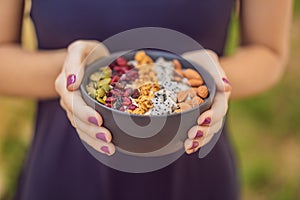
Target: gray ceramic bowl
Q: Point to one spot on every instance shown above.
(139, 134)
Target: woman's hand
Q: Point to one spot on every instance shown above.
(211, 120)
(86, 121)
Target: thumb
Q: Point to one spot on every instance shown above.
(76, 60)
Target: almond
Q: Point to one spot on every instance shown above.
(181, 96)
(195, 82)
(184, 106)
(177, 64)
(179, 71)
(197, 101)
(202, 91)
(191, 74)
(191, 92)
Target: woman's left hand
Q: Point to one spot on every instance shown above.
(210, 121)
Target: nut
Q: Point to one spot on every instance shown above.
(184, 106)
(179, 71)
(191, 93)
(177, 64)
(197, 101)
(202, 91)
(181, 96)
(191, 74)
(195, 82)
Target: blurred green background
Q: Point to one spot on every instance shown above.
(265, 130)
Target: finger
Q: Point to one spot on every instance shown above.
(204, 142)
(71, 119)
(191, 146)
(75, 61)
(197, 132)
(205, 119)
(217, 111)
(98, 145)
(95, 132)
(208, 60)
(75, 104)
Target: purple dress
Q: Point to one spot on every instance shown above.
(59, 167)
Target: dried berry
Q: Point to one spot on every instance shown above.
(128, 92)
(135, 93)
(126, 101)
(121, 61)
(114, 79)
(132, 107)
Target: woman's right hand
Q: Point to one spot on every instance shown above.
(86, 121)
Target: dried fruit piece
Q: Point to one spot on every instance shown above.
(135, 94)
(139, 55)
(121, 61)
(191, 74)
(126, 101)
(202, 91)
(128, 92)
(195, 82)
(132, 107)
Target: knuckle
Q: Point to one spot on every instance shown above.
(75, 44)
(57, 84)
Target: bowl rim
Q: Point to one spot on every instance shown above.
(211, 96)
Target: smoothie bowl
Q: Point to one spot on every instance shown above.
(148, 98)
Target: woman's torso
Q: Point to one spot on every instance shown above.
(59, 167)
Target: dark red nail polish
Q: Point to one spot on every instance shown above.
(206, 121)
(195, 144)
(71, 79)
(225, 81)
(105, 149)
(101, 136)
(199, 134)
(93, 120)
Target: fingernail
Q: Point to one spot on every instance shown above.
(101, 136)
(105, 149)
(225, 81)
(195, 144)
(206, 121)
(199, 134)
(93, 120)
(71, 79)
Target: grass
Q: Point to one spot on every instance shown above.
(265, 131)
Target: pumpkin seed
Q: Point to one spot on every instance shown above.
(100, 100)
(105, 81)
(100, 92)
(91, 91)
(95, 76)
(106, 87)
